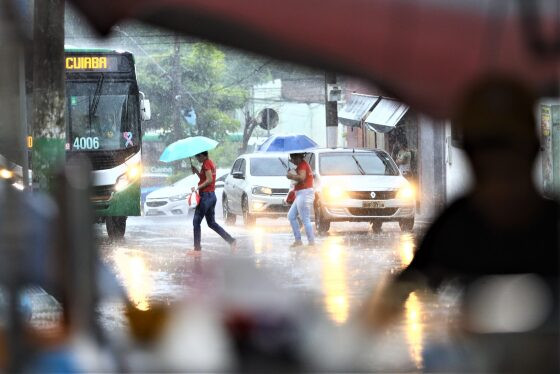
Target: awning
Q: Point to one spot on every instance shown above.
(385, 115)
(355, 109)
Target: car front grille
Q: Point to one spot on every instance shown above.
(155, 204)
(275, 208)
(280, 191)
(366, 195)
(154, 213)
(376, 212)
(101, 193)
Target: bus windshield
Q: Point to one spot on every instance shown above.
(102, 116)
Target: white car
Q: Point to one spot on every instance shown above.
(172, 200)
(256, 187)
(360, 185)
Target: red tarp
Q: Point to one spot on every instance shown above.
(421, 51)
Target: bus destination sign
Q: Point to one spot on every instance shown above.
(83, 63)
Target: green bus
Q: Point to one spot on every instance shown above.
(103, 121)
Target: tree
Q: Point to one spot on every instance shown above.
(201, 69)
(48, 90)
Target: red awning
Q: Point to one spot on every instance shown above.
(424, 52)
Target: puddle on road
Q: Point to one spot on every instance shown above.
(414, 328)
(133, 270)
(334, 280)
(406, 249)
(339, 272)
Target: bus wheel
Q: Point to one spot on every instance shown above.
(116, 227)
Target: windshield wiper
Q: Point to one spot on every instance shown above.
(359, 166)
(96, 96)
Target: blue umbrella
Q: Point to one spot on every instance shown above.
(287, 143)
(186, 148)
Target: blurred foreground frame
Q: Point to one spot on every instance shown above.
(417, 65)
(314, 38)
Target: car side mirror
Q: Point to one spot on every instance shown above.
(238, 175)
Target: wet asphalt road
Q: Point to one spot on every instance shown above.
(155, 265)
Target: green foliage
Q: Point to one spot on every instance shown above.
(225, 154)
(201, 69)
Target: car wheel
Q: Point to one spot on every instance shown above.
(407, 224)
(321, 223)
(116, 227)
(229, 217)
(248, 218)
(376, 226)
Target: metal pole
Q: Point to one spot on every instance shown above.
(23, 119)
(331, 113)
(268, 122)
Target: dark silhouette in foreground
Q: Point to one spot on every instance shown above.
(502, 234)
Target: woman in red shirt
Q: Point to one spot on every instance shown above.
(304, 199)
(205, 208)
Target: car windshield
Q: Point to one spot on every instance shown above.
(269, 167)
(102, 116)
(374, 163)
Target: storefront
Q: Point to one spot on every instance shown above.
(381, 122)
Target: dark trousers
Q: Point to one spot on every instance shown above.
(205, 208)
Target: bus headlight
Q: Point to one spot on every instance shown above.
(334, 193)
(262, 191)
(133, 172)
(6, 174)
(406, 193)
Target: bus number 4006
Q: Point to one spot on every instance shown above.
(86, 143)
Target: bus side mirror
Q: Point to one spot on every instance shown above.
(145, 108)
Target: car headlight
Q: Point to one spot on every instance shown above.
(132, 173)
(406, 193)
(179, 197)
(334, 193)
(262, 190)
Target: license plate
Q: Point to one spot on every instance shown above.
(373, 204)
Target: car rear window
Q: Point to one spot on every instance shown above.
(374, 163)
(268, 167)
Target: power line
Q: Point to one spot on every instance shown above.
(154, 61)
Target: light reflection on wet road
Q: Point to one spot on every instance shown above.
(337, 274)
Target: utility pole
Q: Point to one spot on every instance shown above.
(48, 126)
(331, 111)
(176, 88)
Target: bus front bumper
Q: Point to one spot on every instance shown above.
(108, 202)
